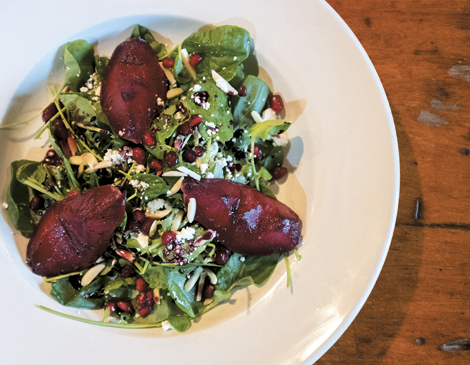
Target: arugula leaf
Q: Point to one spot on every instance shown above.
(144, 33)
(78, 63)
(257, 93)
(223, 49)
(33, 174)
(18, 202)
(268, 128)
(86, 297)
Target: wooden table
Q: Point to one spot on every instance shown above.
(421, 51)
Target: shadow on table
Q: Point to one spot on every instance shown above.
(374, 329)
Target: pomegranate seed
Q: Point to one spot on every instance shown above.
(145, 311)
(149, 139)
(171, 158)
(72, 193)
(49, 112)
(125, 255)
(60, 131)
(168, 62)
(222, 255)
(189, 156)
(127, 271)
(156, 164)
(141, 285)
(52, 158)
(139, 155)
(146, 225)
(36, 203)
(279, 172)
(145, 299)
(276, 103)
(195, 121)
(138, 215)
(168, 237)
(258, 153)
(195, 59)
(199, 150)
(111, 306)
(125, 306)
(242, 90)
(185, 129)
(209, 291)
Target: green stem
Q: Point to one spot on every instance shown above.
(286, 259)
(99, 323)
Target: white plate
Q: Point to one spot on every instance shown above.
(345, 187)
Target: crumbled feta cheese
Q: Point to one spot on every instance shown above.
(204, 167)
(5, 205)
(196, 88)
(84, 89)
(269, 114)
(156, 205)
(160, 102)
(140, 168)
(279, 141)
(115, 157)
(186, 234)
(209, 175)
(139, 185)
(166, 325)
(242, 258)
(210, 124)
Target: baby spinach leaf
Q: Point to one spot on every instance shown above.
(215, 111)
(177, 318)
(85, 298)
(257, 93)
(79, 63)
(185, 300)
(144, 33)
(223, 49)
(18, 202)
(156, 186)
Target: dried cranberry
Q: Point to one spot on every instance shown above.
(127, 271)
(199, 150)
(138, 215)
(168, 62)
(49, 112)
(209, 291)
(149, 139)
(195, 120)
(189, 156)
(276, 103)
(36, 203)
(279, 172)
(168, 237)
(171, 158)
(242, 90)
(185, 129)
(146, 225)
(139, 155)
(60, 131)
(195, 59)
(156, 164)
(141, 285)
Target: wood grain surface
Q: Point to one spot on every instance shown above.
(418, 312)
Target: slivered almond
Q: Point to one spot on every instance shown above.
(177, 220)
(191, 209)
(174, 92)
(175, 187)
(189, 172)
(91, 274)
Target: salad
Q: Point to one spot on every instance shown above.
(152, 201)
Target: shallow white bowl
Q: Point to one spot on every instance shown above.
(345, 183)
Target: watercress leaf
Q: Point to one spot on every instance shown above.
(268, 128)
(18, 202)
(85, 298)
(144, 33)
(78, 63)
(257, 93)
